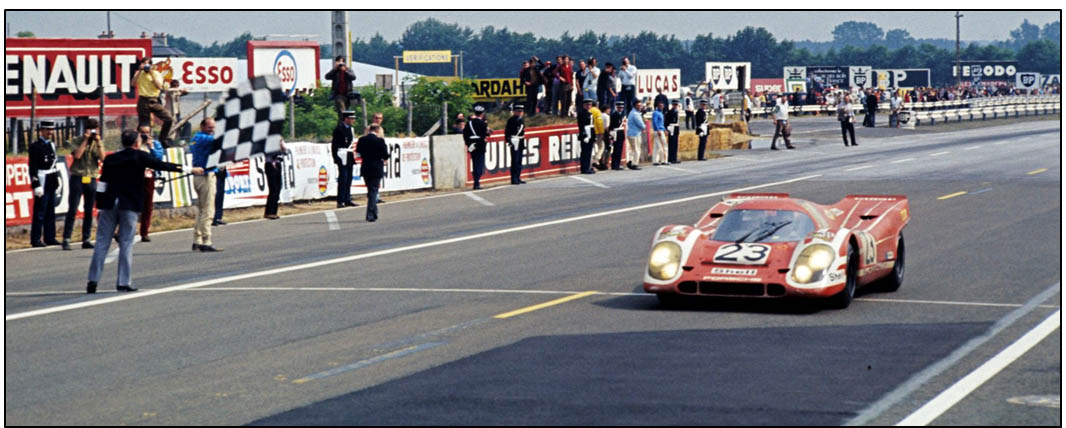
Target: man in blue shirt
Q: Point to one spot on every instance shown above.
(634, 128)
(658, 127)
(204, 184)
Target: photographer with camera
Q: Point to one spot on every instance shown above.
(150, 85)
(120, 198)
(155, 149)
(83, 169)
(343, 91)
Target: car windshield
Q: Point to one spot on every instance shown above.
(764, 226)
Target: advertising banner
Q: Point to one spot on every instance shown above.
(768, 85)
(1027, 80)
(1002, 71)
(861, 77)
(199, 74)
(18, 191)
(830, 76)
(727, 75)
(407, 168)
(651, 81)
(295, 63)
(489, 89)
(1050, 79)
(906, 78)
(67, 75)
(426, 57)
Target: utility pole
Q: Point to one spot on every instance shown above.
(958, 65)
(109, 24)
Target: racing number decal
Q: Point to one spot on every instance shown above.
(742, 254)
(868, 247)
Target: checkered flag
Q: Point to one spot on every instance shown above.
(249, 122)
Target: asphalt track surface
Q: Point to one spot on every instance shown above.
(411, 320)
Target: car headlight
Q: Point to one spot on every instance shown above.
(665, 260)
(812, 263)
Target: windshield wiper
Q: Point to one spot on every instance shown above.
(761, 226)
(776, 227)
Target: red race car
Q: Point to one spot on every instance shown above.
(769, 245)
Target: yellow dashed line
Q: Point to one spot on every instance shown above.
(1037, 171)
(544, 305)
(952, 195)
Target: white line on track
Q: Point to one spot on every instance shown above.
(113, 254)
(939, 154)
(594, 183)
(331, 218)
(346, 259)
(678, 169)
(918, 379)
(972, 148)
(859, 167)
(902, 160)
(743, 158)
(955, 393)
(479, 199)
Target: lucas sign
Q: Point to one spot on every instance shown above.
(295, 63)
(652, 81)
(67, 75)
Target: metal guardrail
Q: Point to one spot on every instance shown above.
(992, 111)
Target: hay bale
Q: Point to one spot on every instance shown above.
(720, 139)
(739, 127)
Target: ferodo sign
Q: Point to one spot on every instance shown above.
(987, 70)
(200, 74)
(488, 89)
(651, 81)
(295, 63)
(67, 73)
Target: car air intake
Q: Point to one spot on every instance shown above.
(731, 289)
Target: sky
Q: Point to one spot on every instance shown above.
(206, 27)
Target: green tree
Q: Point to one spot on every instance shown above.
(1052, 31)
(429, 96)
(898, 38)
(857, 33)
(1024, 34)
(28, 34)
(1043, 56)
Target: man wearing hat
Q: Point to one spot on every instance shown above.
(617, 132)
(514, 135)
(474, 135)
(343, 138)
(44, 177)
(674, 130)
(586, 135)
(701, 129)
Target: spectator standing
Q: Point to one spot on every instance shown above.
(548, 75)
(686, 101)
(82, 184)
(586, 135)
(150, 85)
(718, 104)
(596, 116)
(457, 127)
(220, 195)
(846, 116)
(342, 79)
(341, 148)
(605, 92)
(474, 135)
(564, 84)
(372, 149)
(871, 109)
(531, 79)
(634, 129)
(660, 99)
(896, 104)
(120, 199)
(273, 174)
(628, 76)
(781, 126)
(205, 185)
(155, 148)
(44, 178)
(581, 73)
(658, 128)
(592, 81)
(673, 127)
(617, 132)
(514, 135)
(700, 121)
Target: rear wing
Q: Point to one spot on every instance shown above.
(877, 198)
(758, 196)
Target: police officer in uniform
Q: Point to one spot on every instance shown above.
(586, 136)
(44, 177)
(343, 136)
(474, 134)
(672, 126)
(701, 129)
(515, 137)
(617, 131)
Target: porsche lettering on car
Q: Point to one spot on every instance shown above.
(770, 245)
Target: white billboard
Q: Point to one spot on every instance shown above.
(295, 63)
(727, 75)
(651, 81)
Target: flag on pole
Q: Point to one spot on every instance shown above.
(249, 121)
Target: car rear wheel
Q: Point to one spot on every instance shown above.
(895, 278)
(843, 299)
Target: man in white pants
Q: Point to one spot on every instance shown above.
(634, 129)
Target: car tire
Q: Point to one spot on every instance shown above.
(894, 279)
(843, 299)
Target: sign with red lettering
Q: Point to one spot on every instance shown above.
(768, 85)
(67, 75)
(295, 63)
(651, 82)
(200, 74)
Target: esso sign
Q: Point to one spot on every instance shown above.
(285, 69)
(204, 74)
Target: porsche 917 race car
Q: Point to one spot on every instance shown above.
(769, 245)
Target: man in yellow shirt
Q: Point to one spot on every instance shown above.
(598, 127)
(149, 84)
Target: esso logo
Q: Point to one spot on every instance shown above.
(200, 74)
(285, 69)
